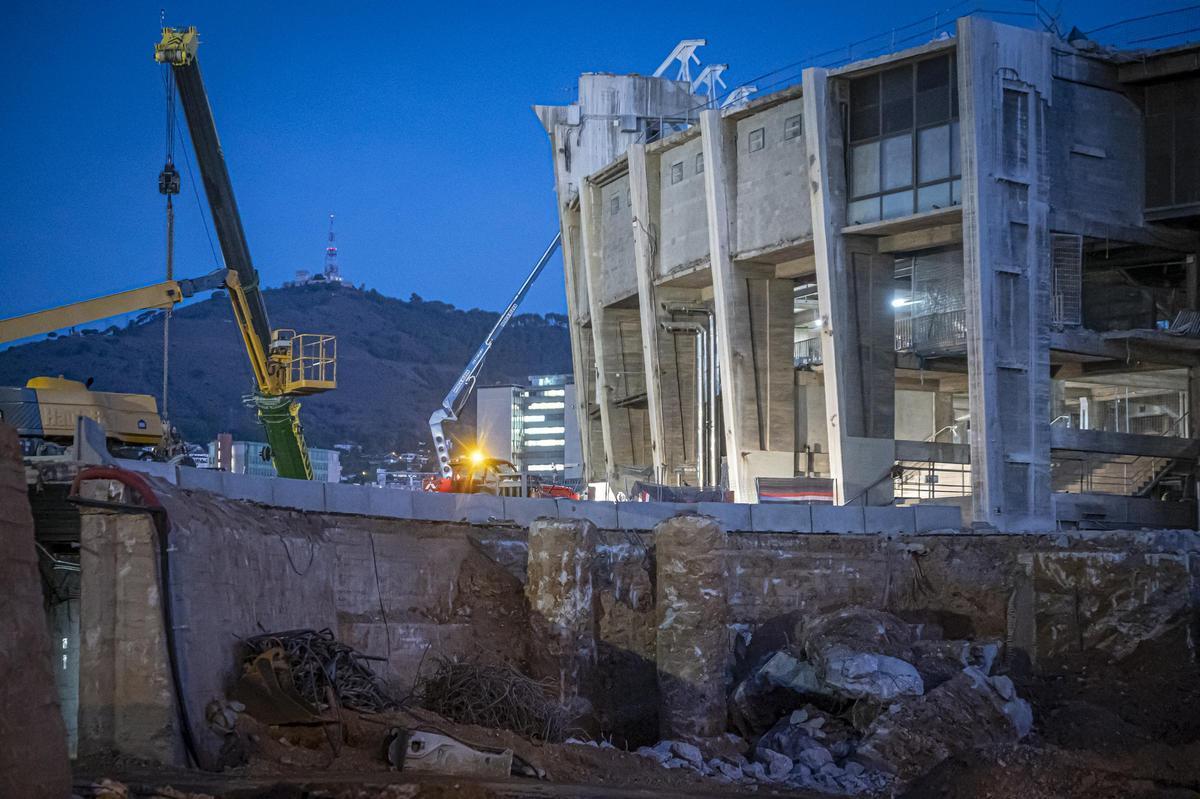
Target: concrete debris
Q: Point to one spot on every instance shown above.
(778, 765)
(868, 675)
(967, 711)
(688, 752)
(864, 703)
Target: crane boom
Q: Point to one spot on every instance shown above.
(159, 296)
(453, 402)
(285, 364)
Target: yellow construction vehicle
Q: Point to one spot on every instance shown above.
(45, 410)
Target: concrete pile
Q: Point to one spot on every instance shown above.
(862, 701)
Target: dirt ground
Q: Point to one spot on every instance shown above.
(1101, 731)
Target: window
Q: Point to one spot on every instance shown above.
(903, 140)
(1016, 132)
(676, 172)
(757, 139)
(793, 127)
(699, 163)
(614, 205)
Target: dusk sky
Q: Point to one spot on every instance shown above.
(412, 126)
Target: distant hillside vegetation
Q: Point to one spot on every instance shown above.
(396, 360)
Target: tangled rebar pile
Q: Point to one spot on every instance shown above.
(493, 695)
(318, 661)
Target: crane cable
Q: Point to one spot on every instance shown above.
(168, 184)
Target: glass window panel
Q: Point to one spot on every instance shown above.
(933, 73)
(897, 164)
(792, 127)
(864, 169)
(956, 192)
(864, 123)
(863, 211)
(930, 198)
(757, 139)
(896, 91)
(933, 154)
(955, 166)
(933, 90)
(864, 108)
(898, 204)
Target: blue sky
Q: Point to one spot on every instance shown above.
(413, 126)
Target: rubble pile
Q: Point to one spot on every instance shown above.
(863, 700)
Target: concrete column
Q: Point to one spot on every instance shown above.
(1004, 80)
(693, 648)
(730, 298)
(126, 699)
(562, 561)
(854, 287)
(33, 743)
(644, 190)
(572, 245)
(589, 217)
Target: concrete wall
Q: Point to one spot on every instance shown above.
(33, 741)
(1097, 157)
(396, 590)
(772, 183)
(617, 275)
(645, 635)
(683, 240)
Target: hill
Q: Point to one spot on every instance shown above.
(396, 360)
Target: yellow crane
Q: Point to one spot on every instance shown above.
(44, 411)
(286, 364)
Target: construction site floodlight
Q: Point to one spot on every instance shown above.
(685, 54)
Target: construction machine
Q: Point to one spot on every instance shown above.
(286, 364)
(45, 410)
(456, 398)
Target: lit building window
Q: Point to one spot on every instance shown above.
(533, 418)
(543, 431)
(546, 406)
(546, 467)
(554, 392)
(545, 442)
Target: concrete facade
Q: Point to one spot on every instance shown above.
(940, 275)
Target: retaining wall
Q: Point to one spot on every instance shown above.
(640, 626)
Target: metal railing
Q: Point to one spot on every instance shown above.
(932, 479)
(313, 363)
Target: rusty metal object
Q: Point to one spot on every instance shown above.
(267, 691)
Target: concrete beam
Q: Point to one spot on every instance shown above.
(1124, 443)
